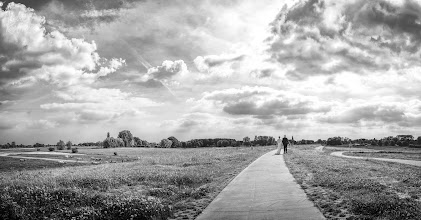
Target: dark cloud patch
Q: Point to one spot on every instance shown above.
(270, 108)
(263, 73)
(368, 113)
(216, 61)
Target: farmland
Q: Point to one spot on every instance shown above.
(141, 183)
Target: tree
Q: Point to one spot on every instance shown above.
(108, 134)
(175, 143)
(137, 142)
(165, 143)
(60, 145)
(120, 142)
(246, 141)
(419, 140)
(69, 145)
(127, 138)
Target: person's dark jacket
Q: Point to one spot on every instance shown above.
(285, 141)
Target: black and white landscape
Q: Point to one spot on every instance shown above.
(85, 82)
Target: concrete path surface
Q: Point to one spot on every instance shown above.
(264, 190)
(409, 162)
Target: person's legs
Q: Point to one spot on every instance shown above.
(285, 148)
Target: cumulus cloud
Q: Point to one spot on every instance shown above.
(205, 63)
(28, 52)
(167, 70)
(329, 37)
(267, 106)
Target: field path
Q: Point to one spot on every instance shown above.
(264, 190)
(409, 162)
(11, 154)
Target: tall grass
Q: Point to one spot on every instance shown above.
(160, 183)
(360, 189)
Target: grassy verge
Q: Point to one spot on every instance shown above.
(357, 189)
(387, 154)
(161, 183)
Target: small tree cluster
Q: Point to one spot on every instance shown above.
(264, 140)
(140, 143)
(111, 142)
(334, 141)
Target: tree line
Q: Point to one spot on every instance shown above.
(126, 139)
(399, 140)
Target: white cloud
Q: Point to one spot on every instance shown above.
(32, 53)
(167, 70)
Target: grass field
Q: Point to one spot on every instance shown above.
(157, 184)
(357, 189)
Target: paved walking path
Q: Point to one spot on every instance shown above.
(264, 190)
(409, 162)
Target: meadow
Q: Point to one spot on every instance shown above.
(143, 183)
(356, 189)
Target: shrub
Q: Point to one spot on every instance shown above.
(38, 149)
(51, 149)
(74, 150)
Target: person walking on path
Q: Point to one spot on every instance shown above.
(285, 142)
(279, 142)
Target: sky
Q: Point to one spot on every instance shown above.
(75, 70)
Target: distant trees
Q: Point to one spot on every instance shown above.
(60, 145)
(334, 141)
(175, 143)
(38, 145)
(140, 143)
(264, 140)
(111, 142)
(127, 137)
(165, 143)
(246, 141)
(69, 145)
(419, 140)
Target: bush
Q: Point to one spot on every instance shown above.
(74, 150)
(51, 149)
(38, 149)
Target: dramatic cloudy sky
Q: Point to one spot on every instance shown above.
(74, 70)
